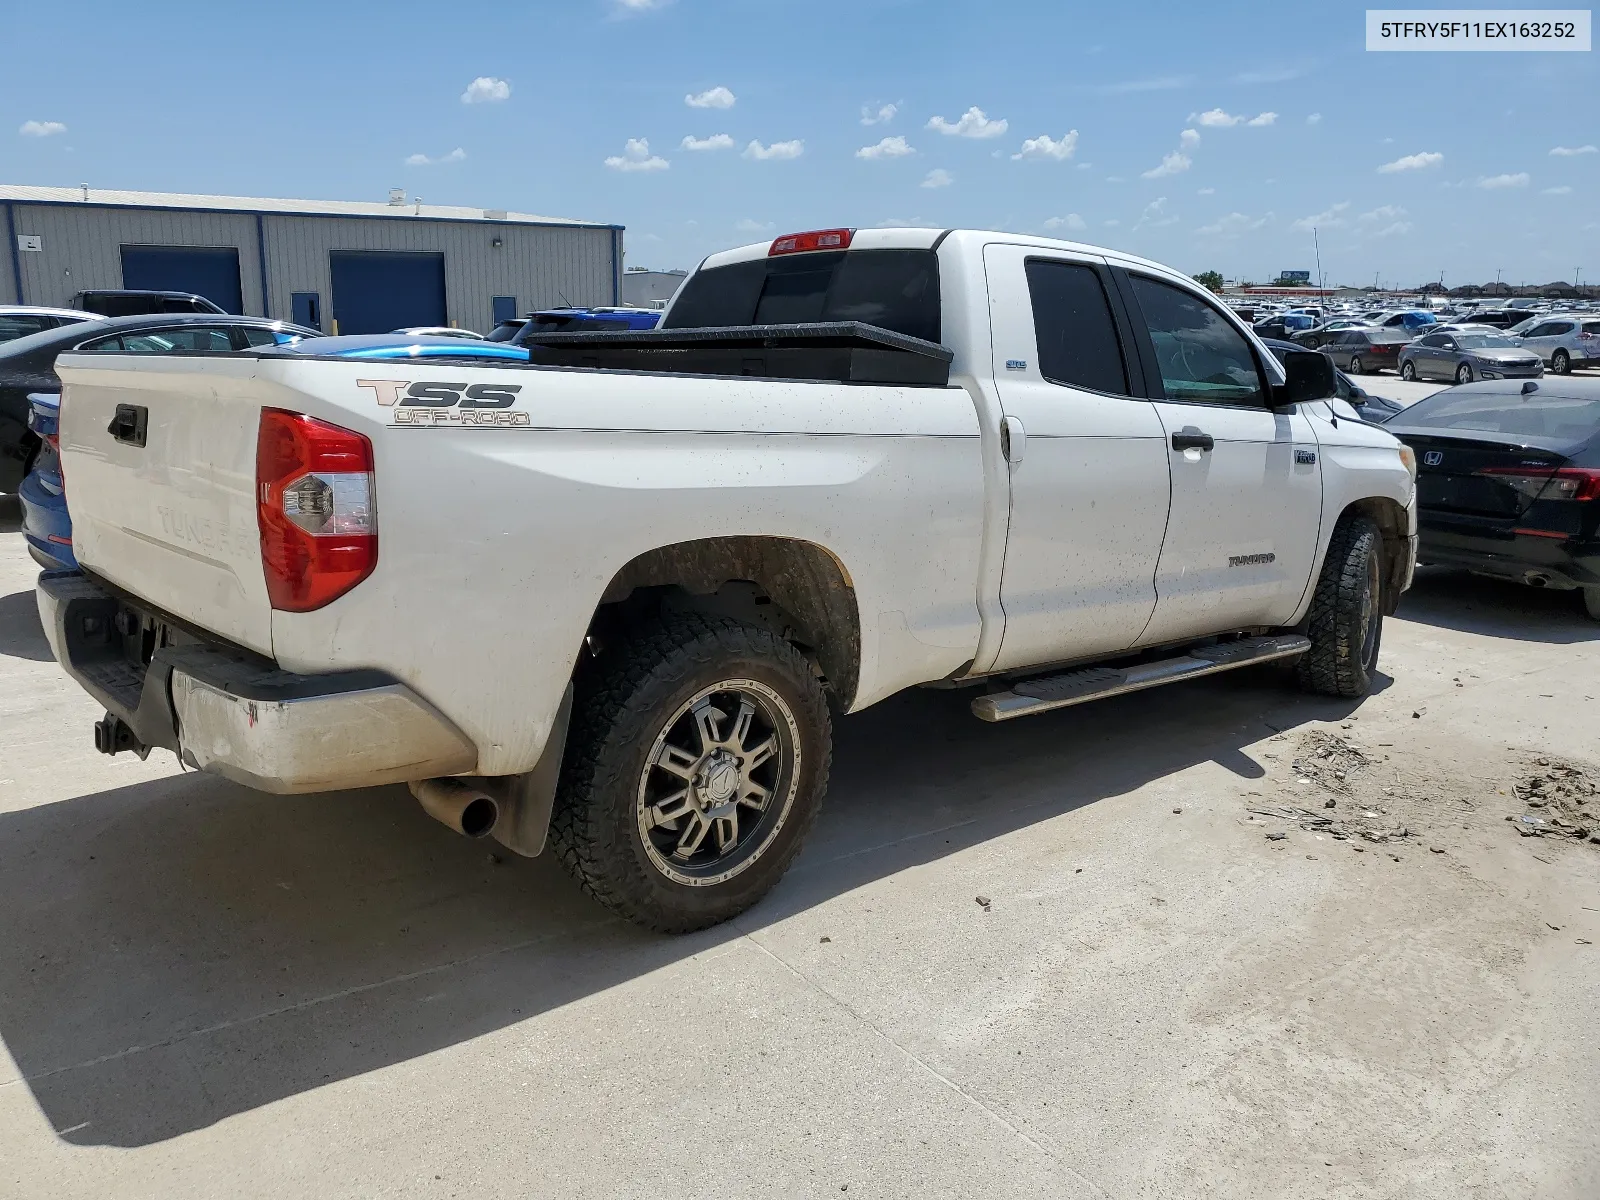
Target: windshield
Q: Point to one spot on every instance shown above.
(1536, 414)
(1478, 341)
(893, 289)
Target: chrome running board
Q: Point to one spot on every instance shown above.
(1094, 683)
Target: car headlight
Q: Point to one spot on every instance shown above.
(1408, 459)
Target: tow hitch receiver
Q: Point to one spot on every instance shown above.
(113, 735)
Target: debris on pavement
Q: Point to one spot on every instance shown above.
(1562, 801)
(985, 901)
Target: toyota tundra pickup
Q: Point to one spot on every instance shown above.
(611, 597)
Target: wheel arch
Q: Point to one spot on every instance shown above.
(1394, 525)
(748, 577)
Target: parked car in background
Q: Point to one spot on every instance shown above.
(1373, 409)
(19, 320)
(132, 302)
(1362, 350)
(1508, 480)
(575, 320)
(440, 331)
(1284, 325)
(1413, 322)
(27, 364)
(1564, 342)
(1463, 357)
(1319, 335)
(1500, 318)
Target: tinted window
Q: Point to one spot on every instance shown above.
(894, 289)
(1537, 414)
(256, 335)
(1075, 330)
(15, 325)
(1202, 356)
(1434, 339)
(162, 341)
(1544, 329)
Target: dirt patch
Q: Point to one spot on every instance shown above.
(1562, 801)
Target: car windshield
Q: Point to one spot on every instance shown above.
(1478, 341)
(1535, 414)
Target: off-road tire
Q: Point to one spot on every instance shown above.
(1561, 362)
(1591, 602)
(622, 706)
(1408, 372)
(1335, 665)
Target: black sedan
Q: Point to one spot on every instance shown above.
(28, 364)
(1375, 410)
(1508, 480)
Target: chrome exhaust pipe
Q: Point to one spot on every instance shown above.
(465, 809)
(1536, 579)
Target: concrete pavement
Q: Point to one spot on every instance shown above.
(208, 992)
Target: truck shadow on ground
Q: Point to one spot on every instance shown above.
(10, 513)
(20, 633)
(1453, 599)
(182, 950)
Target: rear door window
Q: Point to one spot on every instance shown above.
(1073, 326)
(893, 289)
(187, 337)
(1203, 358)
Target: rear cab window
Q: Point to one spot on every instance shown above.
(892, 289)
(1073, 327)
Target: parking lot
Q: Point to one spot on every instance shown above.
(1056, 958)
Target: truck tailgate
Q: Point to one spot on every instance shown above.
(172, 520)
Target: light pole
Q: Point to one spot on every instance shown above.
(1497, 271)
(1322, 283)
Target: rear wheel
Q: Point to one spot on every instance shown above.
(1345, 624)
(1408, 371)
(1561, 362)
(698, 761)
(1355, 365)
(1463, 374)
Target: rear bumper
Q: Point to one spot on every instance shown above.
(1566, 563)
(46, 525)
(237, 715)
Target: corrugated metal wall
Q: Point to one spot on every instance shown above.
(540, 265)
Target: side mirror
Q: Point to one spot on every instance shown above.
(1308, 376)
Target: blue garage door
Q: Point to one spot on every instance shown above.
(375, 291)
(210, 271)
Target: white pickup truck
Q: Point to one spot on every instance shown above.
(611, 594)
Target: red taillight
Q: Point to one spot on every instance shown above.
(1565, 483)
(314, 506)
(817, 239)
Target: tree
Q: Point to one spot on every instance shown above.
(1210, 279)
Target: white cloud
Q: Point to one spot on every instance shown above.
(1189, 139)
(717, 141)
(749, 226)
(636, 156)
(1495, 182)
(1559, 151)
(1045, 147)
(1172, 164)
(1070, 221)
(486, 89)
(1384, 212)
(1111, 223)
(1314, 119)
(1328, 218)
(1264, 119)
(1155, 215)
(640, 5)
(1563, 190)
(1215, 117)
(971, 124)
(794, 149)
(1412, 162)
(422, 160)
(41, 128)
(1129, 86)
(937, 178)
(1383, 221)
(1235, 224)
(890, 147)
(1085, 166)
(1208, 191)
(1391, 230)
(717, 97)
(1115, 179)
(880, 116)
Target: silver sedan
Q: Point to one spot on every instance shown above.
(1462, 357)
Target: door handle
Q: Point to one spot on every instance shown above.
(1192, 439)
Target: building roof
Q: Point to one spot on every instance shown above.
(121, 198)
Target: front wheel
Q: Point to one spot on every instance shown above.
(1408, 371)
(1591, 602)
(1355, 364)
(698, 761)
(1345, 624)
(1561, 362)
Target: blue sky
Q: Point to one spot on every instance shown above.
(1080, 129)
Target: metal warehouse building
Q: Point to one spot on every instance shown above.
(339, 266)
